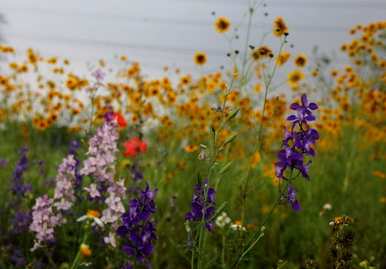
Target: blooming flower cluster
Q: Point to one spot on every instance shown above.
(65, 181)
(21, 221)
(136, 172)
(112, 214)
(44, 221)
(297, 146)
(138, 228)
(299, 140)
(18, 187)
(222, 220)
(101, 158)
(21, 218)
(74, 146)
(47, 213)
(203, 205)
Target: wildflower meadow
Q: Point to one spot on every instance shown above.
(276, 160)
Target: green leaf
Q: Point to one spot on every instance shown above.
(229, 140)
(234, 114)
(225, 167)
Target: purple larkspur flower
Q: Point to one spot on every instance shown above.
(304, 111)
(114, 210)
(297, 147)
(298, 141)
(17, 258)
(21, 221)
(73, 150)
(203, 205)
(44, 221)
(291, 198)
(101, 156)
(64, 195)
(19, 188)
(136, 172)
(138, 228)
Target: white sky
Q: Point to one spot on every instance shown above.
(167, 32)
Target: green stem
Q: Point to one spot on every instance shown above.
(76, 260)
(192, 258)
(260, 232)
(77, 257)
(251, 11)
(267, 86)
(223, 252)
(200, 239)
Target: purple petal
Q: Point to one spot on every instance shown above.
(295, 106)
(313, 106)
(296, 206)
(304, 100)
(291, 118)
(310, 118)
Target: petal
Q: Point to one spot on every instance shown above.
(122, 230)
(304, 100)
(309, 117)
(296, 206)
(313, 106)
(295, 106)
(291, 118)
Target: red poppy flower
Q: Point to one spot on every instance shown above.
(120, 120)
(134, 146)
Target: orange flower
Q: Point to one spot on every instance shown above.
(279, 27)
(222, 24)
(191, 148)
(85, 250)
(93, 214)
(200, 58)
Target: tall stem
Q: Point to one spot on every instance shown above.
(77, 257)
(267, 86)
(251, 11)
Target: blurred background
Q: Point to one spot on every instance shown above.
(168, 32)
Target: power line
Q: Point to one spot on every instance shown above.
(104, 43)
(169, 21)
(305, 4)
(114, 44)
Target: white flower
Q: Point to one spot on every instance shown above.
(237, 226)
(327, 206)
(93, 216)
(222, 220)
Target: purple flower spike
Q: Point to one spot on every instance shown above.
(297, 146)
(203, 206)
(138, 229)
(19, 188)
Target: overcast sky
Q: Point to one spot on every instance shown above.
(167, 32)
